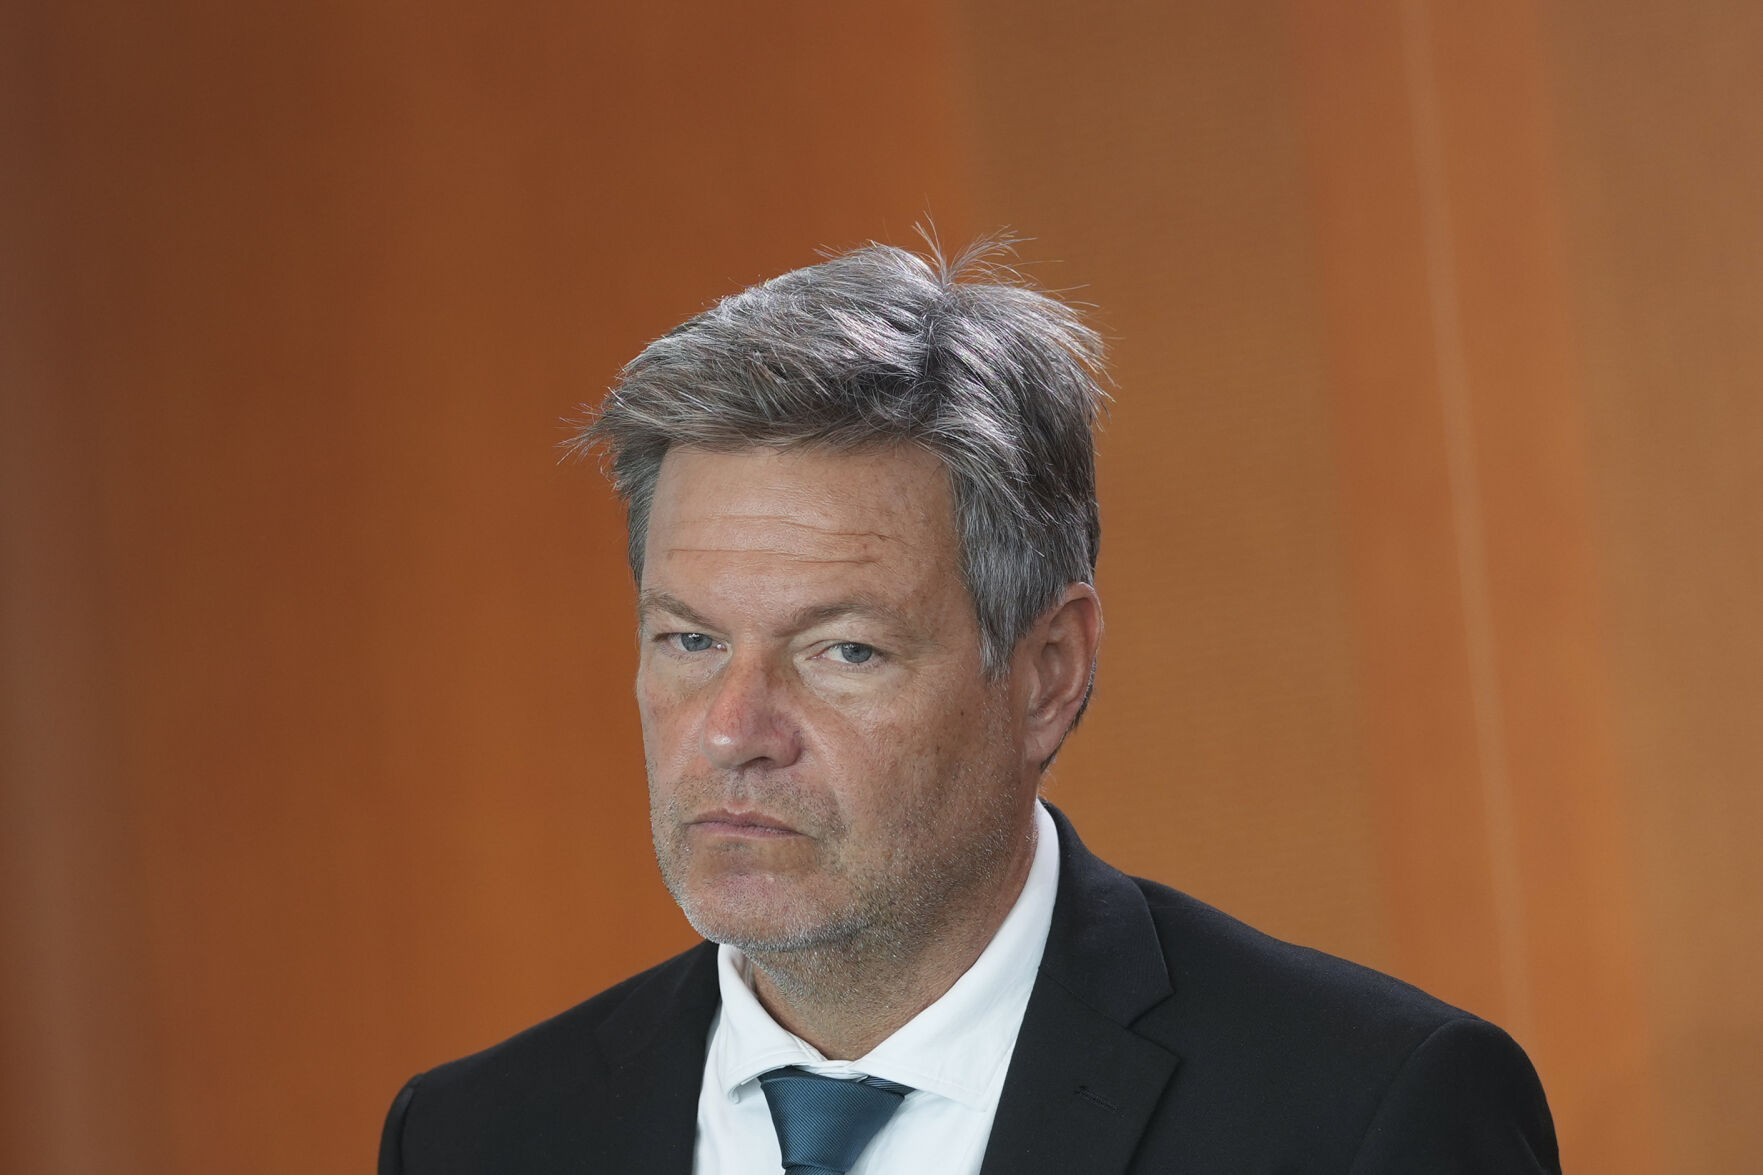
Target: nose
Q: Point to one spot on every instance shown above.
(748, 722)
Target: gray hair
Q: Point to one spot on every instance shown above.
(882, 346)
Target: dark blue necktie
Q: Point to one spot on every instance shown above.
(823, 1123)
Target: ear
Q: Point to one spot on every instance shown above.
(1055, 664)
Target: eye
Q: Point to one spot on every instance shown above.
(851, 652)
(691, 642)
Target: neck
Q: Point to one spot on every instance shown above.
(847, 997)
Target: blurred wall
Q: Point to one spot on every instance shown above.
(1432, 493)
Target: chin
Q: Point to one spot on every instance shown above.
(755, 924)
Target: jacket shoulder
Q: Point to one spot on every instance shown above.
(597, 1027)
(1351, 1063)
(514, 1105)
(1218, 961)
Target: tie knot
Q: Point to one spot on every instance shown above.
(823, 1123)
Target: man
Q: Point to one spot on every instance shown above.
(864, 528)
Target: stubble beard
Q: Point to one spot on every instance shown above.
(757, 924)
(881, 921)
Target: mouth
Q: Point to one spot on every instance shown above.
(756, 825)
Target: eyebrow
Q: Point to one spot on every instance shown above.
(650, 601)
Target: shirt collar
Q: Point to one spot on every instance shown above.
(957, 1047)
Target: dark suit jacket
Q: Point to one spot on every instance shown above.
(1162, 1036)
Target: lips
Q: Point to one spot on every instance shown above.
(729, 823)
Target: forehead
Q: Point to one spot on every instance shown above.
(762, 538)
(863, 498)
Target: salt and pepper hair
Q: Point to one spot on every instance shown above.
(881, 346)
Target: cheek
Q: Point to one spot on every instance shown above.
(666, 720)
(970, 741)
(892, 758)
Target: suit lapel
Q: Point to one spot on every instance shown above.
(646, 1118)
(1082, 1083)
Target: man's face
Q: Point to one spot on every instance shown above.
(827, 761)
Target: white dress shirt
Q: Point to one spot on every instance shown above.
(953, 1054)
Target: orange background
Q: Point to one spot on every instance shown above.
(1433, 498)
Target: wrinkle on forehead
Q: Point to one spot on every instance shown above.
(785, 520)
(793, 556)
(796, 517)
(782, 537)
